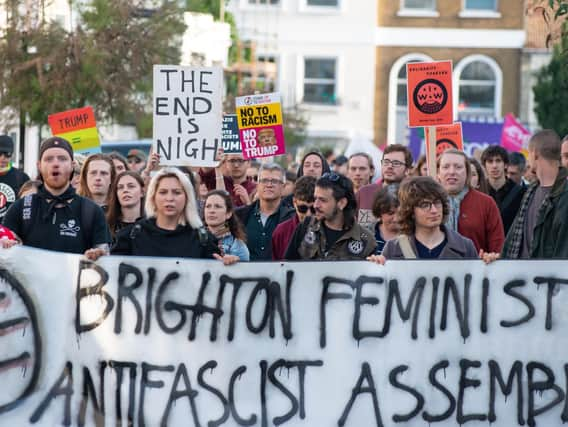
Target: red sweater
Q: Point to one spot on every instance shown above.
(480, 221)
(281, 237)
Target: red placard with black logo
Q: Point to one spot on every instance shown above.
(429, 93)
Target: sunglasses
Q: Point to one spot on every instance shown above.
(253, 178)
(332, 176)
(6, 153)
(304, 209)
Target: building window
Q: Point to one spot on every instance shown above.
(490, 5)
(263, 1)
(329, 3)
(320, 81)
(418, 4)
(397, 127)
(479, 87)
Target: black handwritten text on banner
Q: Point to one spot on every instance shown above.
(162, 341)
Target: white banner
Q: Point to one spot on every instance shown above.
(188, 114)
(155, 342)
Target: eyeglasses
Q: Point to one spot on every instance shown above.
(5, 153)
(236, 161)
(304, 209)
(394, 163)
(270, 181)
(134, 160)
(427, 205)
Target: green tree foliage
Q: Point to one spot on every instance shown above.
(106, 61)
(551, 91)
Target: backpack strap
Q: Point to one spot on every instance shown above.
(87, 219)
(406, 247)
(30, 206)
(509, 198)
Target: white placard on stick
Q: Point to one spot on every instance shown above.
(188, 114)
(174, 342)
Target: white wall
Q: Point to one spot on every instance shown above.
(292, 31)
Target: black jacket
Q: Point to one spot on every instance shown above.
(145, 238)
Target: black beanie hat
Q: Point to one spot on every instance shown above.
(6, 144)
(55, 142)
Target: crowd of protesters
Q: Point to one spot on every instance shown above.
(501, 205)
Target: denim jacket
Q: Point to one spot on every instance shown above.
(234, 246)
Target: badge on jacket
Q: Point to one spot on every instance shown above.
(355, 247)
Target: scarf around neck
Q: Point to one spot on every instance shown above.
(455, 202)
(54, 201)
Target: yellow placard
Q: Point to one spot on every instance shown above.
(83, 140)
(259, 115)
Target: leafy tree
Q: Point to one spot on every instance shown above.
(106, 61)
(551, 91)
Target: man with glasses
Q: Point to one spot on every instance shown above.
(230, 175)
(303, 201)
(332, 233)
(261, 217)
(11, 179)
(395, 166)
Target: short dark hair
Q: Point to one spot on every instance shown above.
(393, 148)
(518, 159)
(385, 201)
(547, 144)
(305, 186)
(417, 189)
(494, 151)
(341, 186)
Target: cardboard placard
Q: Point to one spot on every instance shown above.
(446, 137)
(429, 93)
(231, 139)
(260, 125)
(188, 114)
(78, 126)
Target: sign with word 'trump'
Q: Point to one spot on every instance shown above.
(260, 125)
(79, 127)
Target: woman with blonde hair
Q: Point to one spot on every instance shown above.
(173, 227)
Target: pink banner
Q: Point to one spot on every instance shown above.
(514, 136)
(262, 141)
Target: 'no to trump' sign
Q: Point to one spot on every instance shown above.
(187, 114)
(172, 342)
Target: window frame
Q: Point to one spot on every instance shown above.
(413, 12)
(393, 90)
(303, 82)
(304, 7)
(497, 95)
(480, 13)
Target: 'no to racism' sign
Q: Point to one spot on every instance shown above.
(429, 93)
(188, 112)
(260, 125)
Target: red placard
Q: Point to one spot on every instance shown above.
(71, 120)
(446, 137)
(430, 93)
